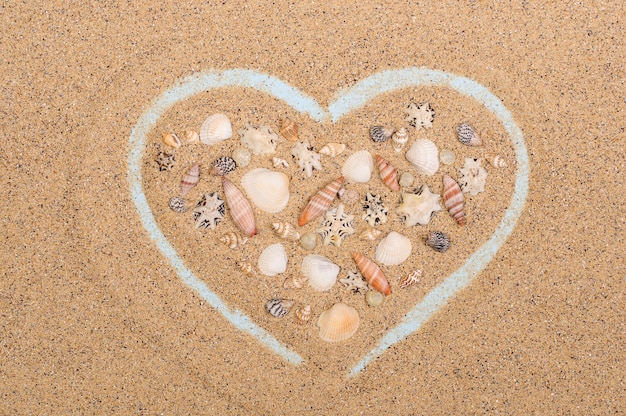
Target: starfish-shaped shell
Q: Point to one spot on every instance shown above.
(420, 207)
(209, 211)
(355, 282)
(420, 115)
(306, 158)
(375, 211)
(336, 226)
(165, 161)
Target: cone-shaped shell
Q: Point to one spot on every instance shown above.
(289, 130)
(320, 202)
(320, 272)
(190, 179)
(267, 189)
(388, 173)
(338, 323)
(424, 156)
(286, 231)
(332, 149)
(303, 314)
(232, 239)
(215, 129)
(453, 199)
(240, 208)
(358, 167)
(273, 260)
(393, 249)
(372, 273)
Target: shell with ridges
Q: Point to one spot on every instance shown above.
(438, 241)
(303, 314)
(190, 179)
(424, 156)
(267, 189)
(388, 173)
(232, 239)
(215, 129)
(380, 134)
(320, 272)
(279, 307)
(295, 282)
(453, 199)
(223, 165)
(358, 167)
(240, 208)
(289, 129)
(410, 279)
(286, 231)
(332, 149)
(338, 323)
(172, 140)
(192, 136)
(496, 161)
(372, 273)
(467, 135)
(320, 202)
(399, 139)
(394, 249)
(273, 260)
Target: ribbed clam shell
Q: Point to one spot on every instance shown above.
(338, 323)
(177, 204)
(215, 129)
(289, 130)
(372, 273)
(232, 239)
(286, 231)
(273, 260)
(394, 249)
(190, 179)
(320, 272)
(279, 307)
(453, 199)
(410, 279)
(240, 208)
(223, 165)
(358, 167)
(267, 189)
(438, 241)
(241, 156)
(380, 134)
(467, 135)
(388, 173)
(332, 149)
(320, 202)
(303, 314)
(172, 140)
(399, 139)
(424, 156)
(295, 282)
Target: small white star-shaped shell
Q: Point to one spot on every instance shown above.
(420, 115)
(355, 282)
(209, 211)
(419, 208)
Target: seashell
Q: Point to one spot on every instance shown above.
(172, 140)
(338, 323)
(406, 179)
(272, 260)
(286, 231)
(370, 234)
(164, 160)
(215, 129)
(348, 196)
(320, 272)
(261, 140)
(209, 211)
(190, 179)
(447, 157)
(372, 273)
(192, 136)
(453, 199)
(375, 211)
(295, 282)
(374, 298)
(223, 166)
(332, 149)
(241, 156)
(267, 189)
(393, 249)
(388, 173)
(289, 130)
(306, 158)
(467, 135)
(473, 177)
(420, 115)
(246, 267)
(496, 161)
(410, 279)
(320, 202)
(303, 314)
(355, 283)
(308, 241)
(232, 239)
(399, 139)
(419, 207)
(380, 134)
(358, 167)
(438, 241)
(336, 226)
(279, 163)
(424, 156)
(240, 208)
(177, 204)
(279, 307)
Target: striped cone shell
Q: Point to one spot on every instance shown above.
(289, 130)
(320, 202)
(372, 273)
(388, 173)
(190, 179)
(453, 199)
(240, 208)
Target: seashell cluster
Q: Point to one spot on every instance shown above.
(473, 177)
(239, 207)
(279, 307)
(320, 272)
(261, 140)
(267, 189)
(332, 149)
(215, 129)
(424, 156)
(467, 135)
(273, 260)
(358, 167)
(394, 249)
(338, 323)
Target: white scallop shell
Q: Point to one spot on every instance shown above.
(215, 129)
(321, 272)
(358, 167)
(424, 156)
(273, 260)
(393, 249)
(338, 323)
(267, 189)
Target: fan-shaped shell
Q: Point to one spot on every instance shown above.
(267, 189)
(393, 249)
(358, 167)
(273, 260)
(338, 323)
(424, 156)
(321, 272)
(215, 129)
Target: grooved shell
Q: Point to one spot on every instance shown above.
(393, 249)
(286, 231)
(380, 134)
(215, 129)
(240, 208)
(332, 149)
(338, 323)
(372, 273)
(320, 202)
(273, 260)
(320, 271)
(358, 167)
(267, 189)
(190, 179)
(289, 130)
(279, 307)
(303, 314)
(453, 199)
(424, 156)
(388, 173)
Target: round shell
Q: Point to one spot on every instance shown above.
(447, 157)
(374, 298)
(358, 167)
(406, 179)
(424, 156)
(241, 156)
(192, 136)
(308, 241)
(321, 272)
(215, 129)
(438, 241)
(273, 260)
(303, 314)
(393, 249)
(467, 135)
(177, 204)
(267, 189)
(338, 323)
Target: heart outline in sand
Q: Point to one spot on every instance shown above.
(345, 101)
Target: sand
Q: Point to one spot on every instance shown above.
(97, 320)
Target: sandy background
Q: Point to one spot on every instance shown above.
(95, 320)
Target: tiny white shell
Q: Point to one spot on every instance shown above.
(358, 167)
(267, 189)
(308, 241)
(241, 156)
(424, 156)
(321, 272)
(215, 129)
(338, 323)
(393, 249)
(447, 157)
(273, 260)
(406, 179)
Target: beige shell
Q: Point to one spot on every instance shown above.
(172, 140)
(241, 156)
(320, 271)
(286, 231)
(394, 249)
(332, 149)
(192, 136)
(268, 190)
(289, 129)
(358, 167)
(338, 323)
(215, 129)
(424, 156)
(447, 157)
(273, 260)
(399, 139)
(308, 241)
(303, 314)
(260, 140)
(295, 282)
(279, 163)
(370, 234)
(232, 239)
(496, 161)
(246, 267)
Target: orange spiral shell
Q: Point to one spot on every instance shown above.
(372, 273)
(190, 179)
(320, 202)
(453, 199)
(240, 208)
(388, 174)
(289, 129)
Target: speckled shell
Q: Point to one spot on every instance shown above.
(286, 231)
(320, 272)
(303, 314)
(338, 323)
(394, 249)
(172, 140)
(358, 167)
(279, 307)
(453, 199)
(267, 189)
(372, 273)
(273, 260)
(240, 208)
(380, 134)
(399, 139)
(388, 173)
(177, 204)
(332, 149)
(190, 179)
(467, 135)
(424, 156)
(164, 160)
(320, 202)
(438, 241)
(215, 129)
(223, 165)
(289, 129)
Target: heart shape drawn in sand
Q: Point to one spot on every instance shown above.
(344, 102)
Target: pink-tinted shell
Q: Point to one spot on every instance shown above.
(320, 202)
(240, 208)
(453, 199)
(190, 179)
(372, 273)
(388, 173)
